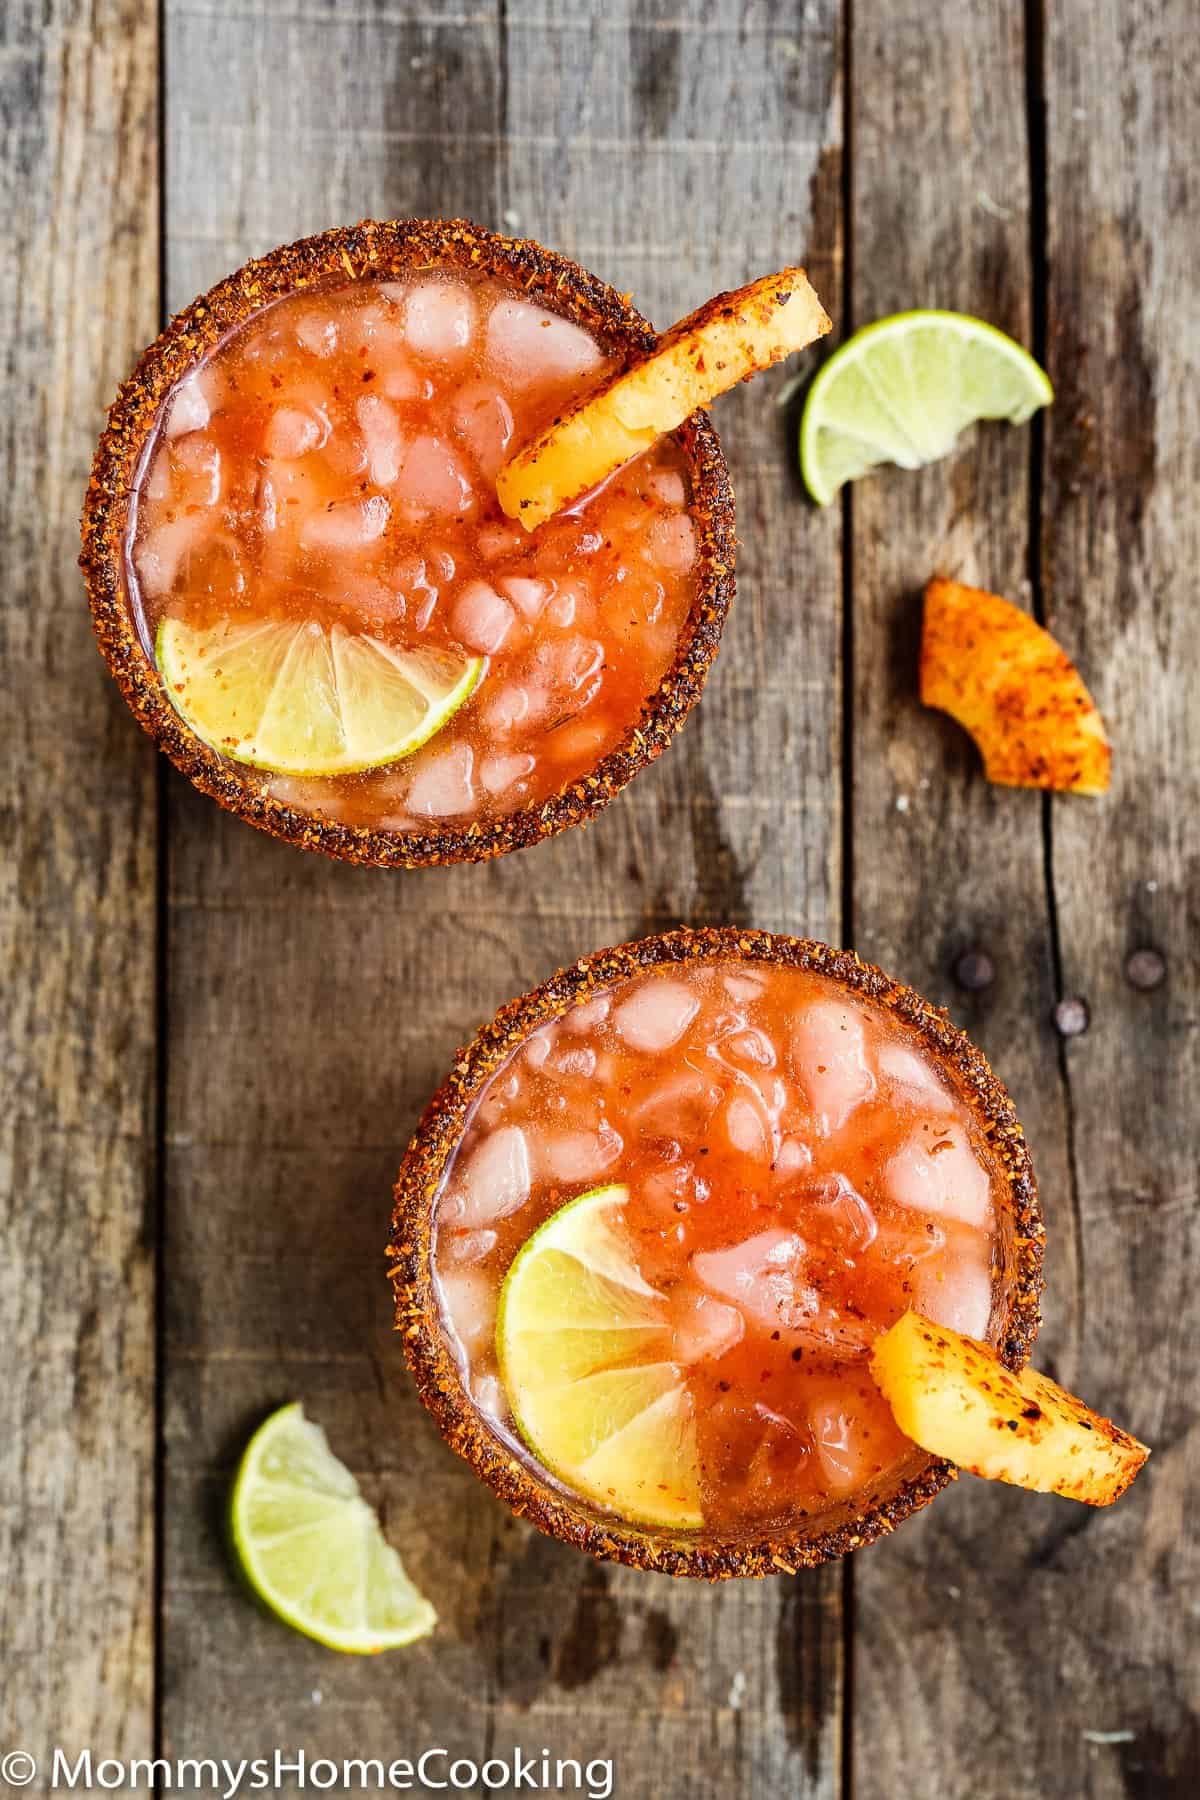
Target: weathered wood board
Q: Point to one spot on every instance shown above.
(216, 1047)
(78, 295)
(312, 1009)
(1008, 1646)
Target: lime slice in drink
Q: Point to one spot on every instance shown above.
(900, 391)
(584, 1346)
(311, 1548)
(302, 699)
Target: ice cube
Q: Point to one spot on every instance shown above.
(484, 420)
(444, 785)
(841, 1450)
(667, 486)
(317, 333)
(527, 595)
(958, 1295)
(191, 405)
(466, 1247)
(296, 493)
(383, 438)
(579, 1061)
(439, 317)
(432, 475)
(510, 707)
(705, 1328)
(656, 1014)
(199, 462)
(345, 454)
(907, 1239)
(669, 1191)
(834, 1212)
(363, 595)
(488, 1396)
(745, 1127)
(682, 1105)
(562, 609)
(346, 524)
(580, 743)
(412, 577)
(156, 482)
(165, 550)
(671, 544)
(573, 670)
(911, 1072)
(837, 1334)
(829, 1051)
(398, 380)
(481, 618)
(792, 1156)
(469, 1302)
(499, 773)
(752, 1047)
(577, 1156)
(495, 541)
(494, 1181)
(529, 343)
(761, 1276)
(423, 608)
(578, 665)
(937, 1172)
(293, 431)
(764, 1093)
(589, 1015)
(743, 988)
(442, 564)
(365, 327)
(539, 1046)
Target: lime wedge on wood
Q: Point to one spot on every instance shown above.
(584, 1347)
(901, 390)
(311, 1547)
(302, 699)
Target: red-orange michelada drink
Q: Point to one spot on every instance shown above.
(651, 1229)
(305, 584)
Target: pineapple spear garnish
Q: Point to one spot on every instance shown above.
(727, 339)
(953, 1396)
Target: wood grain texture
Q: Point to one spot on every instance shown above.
(312, 1008)
(1016, 1647)
(951, 1680)
(78, 294)
(1121, 546)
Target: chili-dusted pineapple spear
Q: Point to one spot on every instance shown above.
(728, 338)
(951, 1395)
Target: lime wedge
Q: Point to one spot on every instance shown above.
(302, 699)
(584, 1347)
(900, 391)
(311, 1548)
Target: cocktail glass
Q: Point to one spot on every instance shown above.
(429, 337)
(811, 1148)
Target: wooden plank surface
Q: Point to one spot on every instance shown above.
(1008, 1646)
(945, 866)
(78, 294)
(311, 1009)
(1121, 546)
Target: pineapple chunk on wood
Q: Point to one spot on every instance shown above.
(1007, 682)
(951, 1395)
(724, 341)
